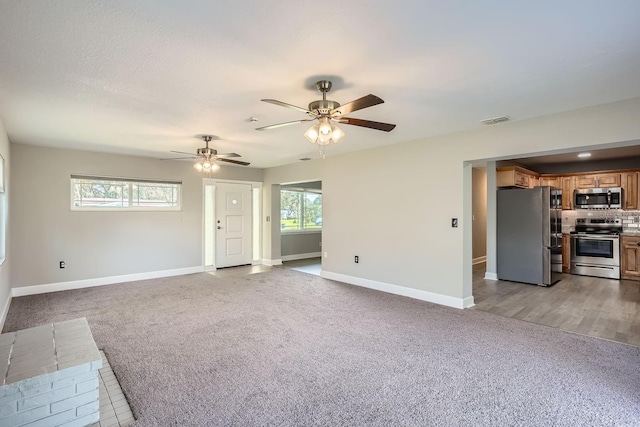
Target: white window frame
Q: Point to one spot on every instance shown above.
(129, 182)
(302, 209)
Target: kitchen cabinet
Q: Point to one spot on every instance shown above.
(567, 192)
(553, 181)
(515, 176)
(598, 180)
(630, 187)
(566, 253)
(630, 257)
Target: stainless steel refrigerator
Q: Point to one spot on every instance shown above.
(525, 238)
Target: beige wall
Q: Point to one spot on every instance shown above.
(5, 284)
(479, 218)
(379, 204)
(100, 244)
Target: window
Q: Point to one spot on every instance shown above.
(103, 193)
(300, 210)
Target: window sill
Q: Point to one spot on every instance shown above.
(312, 231)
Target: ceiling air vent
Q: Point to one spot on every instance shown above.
(495, 120)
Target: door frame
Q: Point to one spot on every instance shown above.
(256, 220)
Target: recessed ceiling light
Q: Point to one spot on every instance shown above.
(584, 155)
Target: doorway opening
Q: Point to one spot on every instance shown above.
(301, 224)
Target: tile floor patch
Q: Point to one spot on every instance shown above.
(114, 408)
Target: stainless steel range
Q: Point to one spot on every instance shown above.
(595, 247)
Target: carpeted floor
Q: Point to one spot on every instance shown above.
(292, 349)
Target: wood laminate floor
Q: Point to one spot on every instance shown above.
(592, 306)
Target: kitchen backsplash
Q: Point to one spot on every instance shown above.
(630, 219)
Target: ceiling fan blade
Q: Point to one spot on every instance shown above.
(228, 155)
(181, 152)
(279, 125)
(180, 158)
(358, 104)
(237, 162)
(284, 104)
(387, 127)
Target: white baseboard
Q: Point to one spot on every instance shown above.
(5, 311)
(271, 262)
(100, 281)
(401, 290)
(479, 260)
(301, 256)
(491, 276)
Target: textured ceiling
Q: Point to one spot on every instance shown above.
(145, 77)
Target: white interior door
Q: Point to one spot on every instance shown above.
(233, 225)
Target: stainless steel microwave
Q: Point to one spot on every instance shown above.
(598, 198)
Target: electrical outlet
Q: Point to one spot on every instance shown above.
(62, 264)
(356, 259)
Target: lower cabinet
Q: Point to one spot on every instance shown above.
(566, 253)
(630, 257)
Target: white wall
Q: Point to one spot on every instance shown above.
(5, 284)
(293, 244)
(393, 206)
(100, 244)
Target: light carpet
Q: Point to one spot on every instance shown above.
(292, 349)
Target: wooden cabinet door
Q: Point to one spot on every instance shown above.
(630, 257)
(566, 253)
(567, 192)
(609, 180)
(586, 181)
(630, 187)
(534, 181)
(553, 182)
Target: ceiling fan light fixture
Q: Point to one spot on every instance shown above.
(198, 166)
(336, 133)
(312, 133)
(215, 167)
(206, 165)
(325, 126)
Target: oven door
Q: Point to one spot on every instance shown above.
(595, 249)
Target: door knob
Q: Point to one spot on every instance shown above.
(219, 227)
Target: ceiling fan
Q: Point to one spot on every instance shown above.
(208, 157)
(328, 112)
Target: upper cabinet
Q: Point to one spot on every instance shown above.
(628, 179)
(567, 192)
(630, 187)
(515, 176)
(598, 180)
(553, 181)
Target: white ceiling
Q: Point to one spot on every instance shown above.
(145, 77)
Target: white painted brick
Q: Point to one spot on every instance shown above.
(25, 416)
(86, 386)
(88, 408)
(633, 225)
(8, 408)
(47, 398)
(54, 420)
(74, 402)
(36, 389)
(74, 380)
(10, 397)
